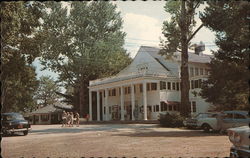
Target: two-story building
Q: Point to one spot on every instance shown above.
(149, 85)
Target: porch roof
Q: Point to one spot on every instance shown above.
(53, 108)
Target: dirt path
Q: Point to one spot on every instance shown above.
(114, 141)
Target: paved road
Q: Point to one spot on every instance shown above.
(115, 140)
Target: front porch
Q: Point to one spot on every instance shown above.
(128, 100)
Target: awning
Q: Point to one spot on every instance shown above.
(172, 102)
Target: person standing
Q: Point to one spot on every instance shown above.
(71, 119)
(77, 116)
(64, 118)
(68, 118)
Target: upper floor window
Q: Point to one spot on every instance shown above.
(162, 85)
(169, 85)
(148, 86)
(173, 85)
(177, 86)
(153, 86)
(201, 71)
(191, 71)
(141, 87)
(196, 71)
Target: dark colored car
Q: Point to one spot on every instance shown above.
(14, 122)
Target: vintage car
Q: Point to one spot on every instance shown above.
(229, 119)
(192, 122)
(14, 122)
(240, 138)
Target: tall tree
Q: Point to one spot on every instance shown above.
(19, 45)
(83, 44)
(179, 32)
(227, 86)
(47, 91)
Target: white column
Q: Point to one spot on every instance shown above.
(145, 100)
(159, 92)
(122, 103)
(103, 105)
(132, 100)
(106, 104)
(90, 105)
(98, 105)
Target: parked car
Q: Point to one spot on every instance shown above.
(239, 137)
(193, 121)
(229, 119)
(14, 122)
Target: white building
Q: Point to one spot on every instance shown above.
(149, 85)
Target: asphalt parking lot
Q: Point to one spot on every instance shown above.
(114, 140)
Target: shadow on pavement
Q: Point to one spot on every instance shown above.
(108, 128)
(151, 133)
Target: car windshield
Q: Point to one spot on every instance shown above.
(10, 117)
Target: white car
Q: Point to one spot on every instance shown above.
(228, 119)
(239, 137)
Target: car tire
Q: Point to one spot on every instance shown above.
(25, 132)
(206, 128)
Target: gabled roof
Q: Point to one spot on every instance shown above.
(57, 107)
(192, 57)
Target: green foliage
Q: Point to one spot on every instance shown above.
(20, 38)
(227, 86)
(46, 92)
(171, 120)
(83, 44)
(178, 32)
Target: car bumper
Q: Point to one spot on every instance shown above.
(235, 152)
(18, 130)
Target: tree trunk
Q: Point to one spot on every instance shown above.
(185, 105)
(81, 98)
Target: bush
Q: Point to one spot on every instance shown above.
(171, 120)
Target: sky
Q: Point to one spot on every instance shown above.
(142, 23)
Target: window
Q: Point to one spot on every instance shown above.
(148, 86)
(192, 84)
(175, 107)
(104, 110)
(119, 90)
(154, 108)
(228, 116)
(201, 71)
(162, 85)
(114, 92)
(191, 71)
(45, 117)
(239, 116)
(177, 86)
(170, 107)
(169, 85)
(163, 106)
(193, 106)
(110, 92)
(196, 84)
(196, 71)
(199, 83)
(153, 86)
(157, 108)
(173, 85)
(141, 87)
(129, 90)
(134, 88)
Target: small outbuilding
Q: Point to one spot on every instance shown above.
(50, 114)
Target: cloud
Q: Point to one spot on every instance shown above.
(138, 27)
